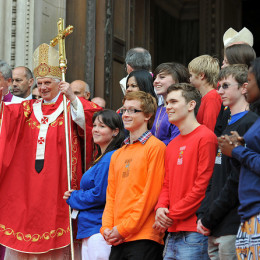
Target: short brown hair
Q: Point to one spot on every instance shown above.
(188, 92)
(148, 104)
(178, 71)
(237, 71)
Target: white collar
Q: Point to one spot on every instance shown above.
(29, 97)
(53, 100)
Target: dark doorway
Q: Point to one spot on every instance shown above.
(250, 20)
(176, 33)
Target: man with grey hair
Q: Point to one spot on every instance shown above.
(136, 59)
(80, 88)
(6, 83)
(22, 82)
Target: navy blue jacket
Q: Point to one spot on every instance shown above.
(249, 182)
(91, 198)
(218, 210)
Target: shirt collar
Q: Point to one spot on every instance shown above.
(29, 97)
(142, 139)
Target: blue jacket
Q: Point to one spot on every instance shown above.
(91, 198)
(249, 182)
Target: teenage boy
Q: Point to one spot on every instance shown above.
(217, 216)
(135, 179)
(189, 162)
(204, 72)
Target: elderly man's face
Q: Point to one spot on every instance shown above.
(48, 88)
(79, 89)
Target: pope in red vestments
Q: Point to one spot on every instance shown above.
(34, 218)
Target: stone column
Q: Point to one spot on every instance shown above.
(24, 25)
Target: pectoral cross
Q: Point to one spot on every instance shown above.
(60, 40)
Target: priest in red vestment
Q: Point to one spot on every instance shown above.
(34, 218)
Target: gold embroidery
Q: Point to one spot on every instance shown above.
(33, 124)
(27, 108)
(74, 160)
(57, 122)
(93, 104)
(45, 70)
(35, 237)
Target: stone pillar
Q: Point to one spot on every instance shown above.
(46, 16)
(6, 30)
(23, 31)
(24, 25)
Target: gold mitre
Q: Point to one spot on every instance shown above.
(46, 62)
(231, 36)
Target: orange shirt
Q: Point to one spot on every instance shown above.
(135, 179)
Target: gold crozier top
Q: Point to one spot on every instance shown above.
(60, 40)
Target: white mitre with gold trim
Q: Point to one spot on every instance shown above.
(46, 62)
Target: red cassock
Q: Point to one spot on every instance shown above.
(34, 218)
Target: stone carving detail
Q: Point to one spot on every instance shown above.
(90, 43)
(108, 47)
(208, 13)
(13, 33)
(20, 33)
(27, 31)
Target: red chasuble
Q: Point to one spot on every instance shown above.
(34, 218)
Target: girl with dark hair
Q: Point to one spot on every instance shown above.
(108, 135)
(238, 54)
(246, 151)
(165, 75)
(140, 80)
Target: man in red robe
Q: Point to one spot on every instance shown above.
(33, 173)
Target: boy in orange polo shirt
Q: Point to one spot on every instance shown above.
(135, 179)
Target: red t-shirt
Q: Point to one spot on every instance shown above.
(209, 109)
(189, 163)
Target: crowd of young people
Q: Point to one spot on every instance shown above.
(162, 184)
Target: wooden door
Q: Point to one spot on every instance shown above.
(127, 27)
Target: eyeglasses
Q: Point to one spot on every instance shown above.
(129, 111)
(226, 85)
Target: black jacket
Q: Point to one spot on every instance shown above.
(218, 210)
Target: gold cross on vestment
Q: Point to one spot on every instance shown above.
(60, 40)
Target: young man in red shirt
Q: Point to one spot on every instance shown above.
(204, 73)
(189, 163)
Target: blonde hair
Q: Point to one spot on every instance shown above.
(207, 65)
